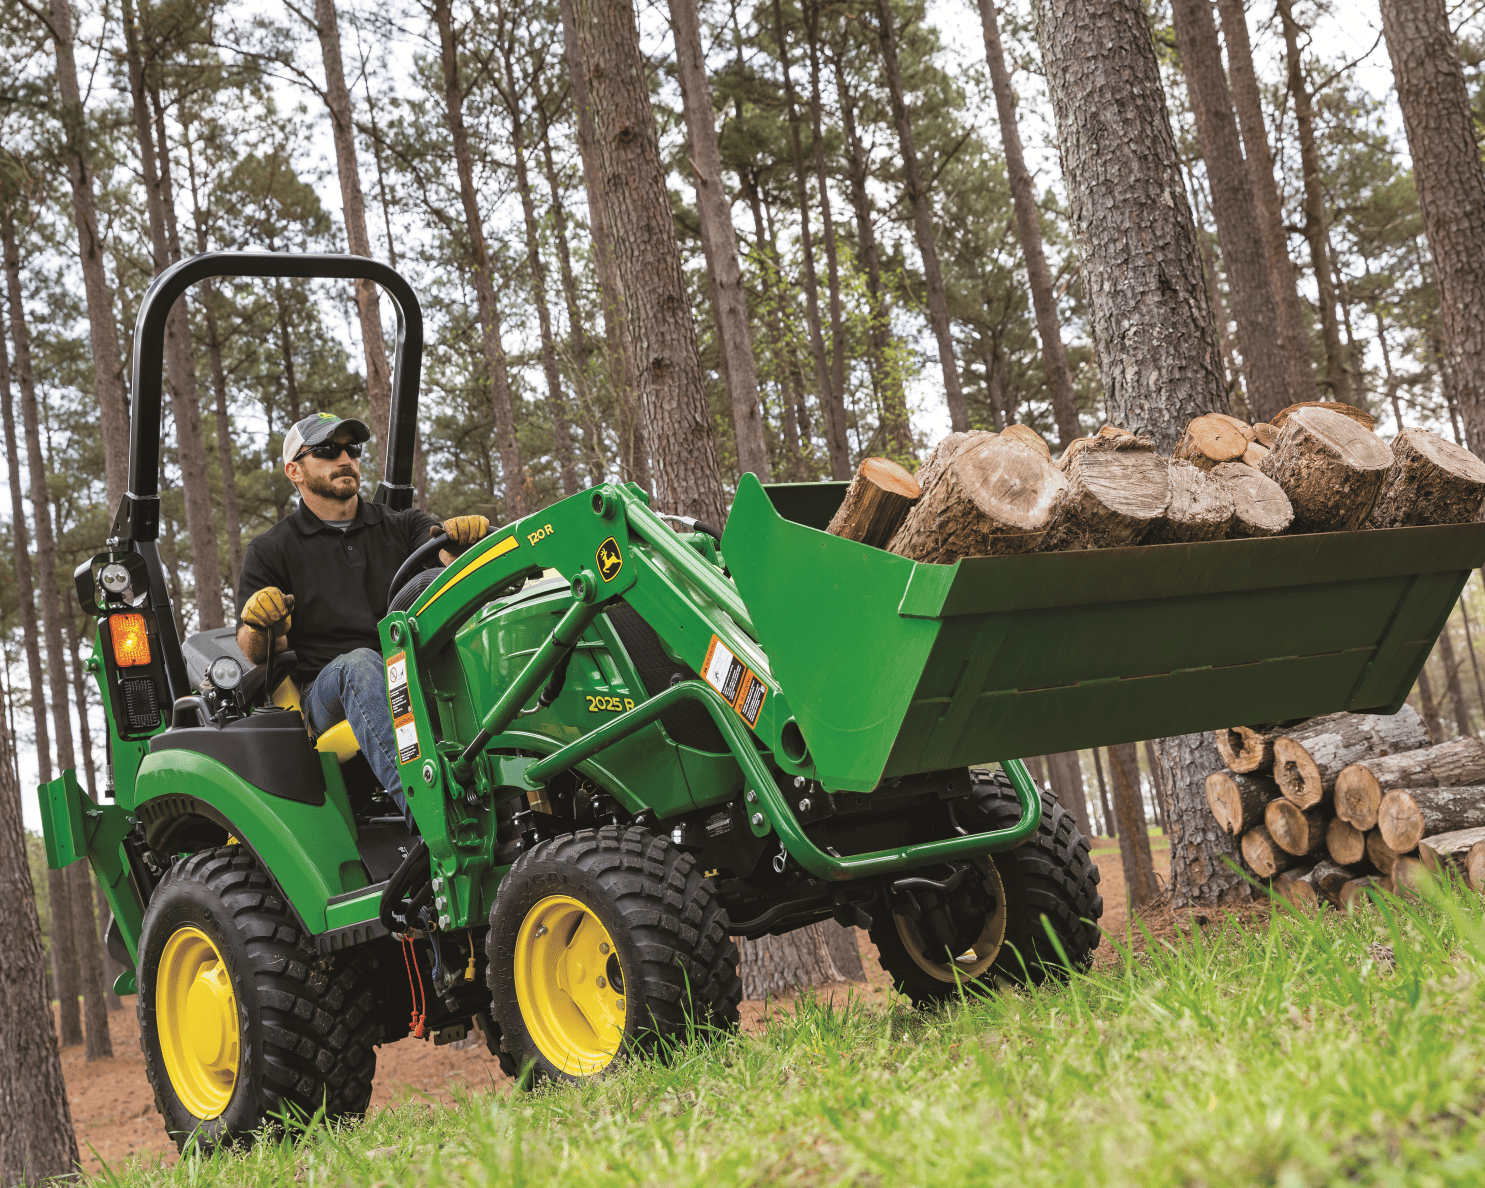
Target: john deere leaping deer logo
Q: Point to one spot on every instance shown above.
(610, 560)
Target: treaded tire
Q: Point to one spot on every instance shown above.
(679, 964)
(307, 1029)
(1050, 876)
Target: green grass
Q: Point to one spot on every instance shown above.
(1291, 1053)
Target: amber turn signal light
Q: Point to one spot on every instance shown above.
(131, 643)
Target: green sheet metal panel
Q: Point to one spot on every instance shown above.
(895, 667)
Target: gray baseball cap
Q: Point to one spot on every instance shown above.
(320, 427)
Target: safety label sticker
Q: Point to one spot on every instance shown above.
(397, 695)
(730, 677)
(407, 738)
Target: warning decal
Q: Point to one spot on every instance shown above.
(730, 677)
(397, 695)
(407, 738)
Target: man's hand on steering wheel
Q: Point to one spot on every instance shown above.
(462, 531)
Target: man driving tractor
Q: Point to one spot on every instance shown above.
(317, 582)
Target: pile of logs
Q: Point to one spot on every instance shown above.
(1327, 807)
(1318, 467)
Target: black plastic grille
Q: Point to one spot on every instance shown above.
(141, 704)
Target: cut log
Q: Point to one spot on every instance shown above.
(1265, 435)
(1239, 424)
(1237, 801)
(1211, 440)
(1264, 856)
(1322, 883)
(1345, 843)
(1330, 467)
(1255, 454)
(1359, 786)
(1474, 866)
(1449, 851)
(1379, 853)
(942, 454)
(1251, 748)
(1407, 874)
(1309, 757)
(1296, 831)
(1025, 433)
(1259, 505)
(1431, 481)
(1200, 507)
(876, 503)
(1346, 410)
(1110, 437)
(1354, 894)
(996, 496)
(1409, 815)
(1114, 497)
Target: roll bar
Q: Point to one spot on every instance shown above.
(138, 517)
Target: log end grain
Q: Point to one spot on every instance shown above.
(1255, 454)
(1431, 481)
(1199, 507)
(1345, 843)
(1028, 436)
(1297, 831)
(1294, 886)
(1358, 796)
(1263, 855)
(1474, 866)
(1379, 853)
(1297, 774)
(1114, 498)
(1360, 416)
(1331, 468)
(1260, 507)
(1211, 440)
(1237, 801)
(1265, 435)
(876, 503)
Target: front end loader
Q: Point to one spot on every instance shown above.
(625, 741)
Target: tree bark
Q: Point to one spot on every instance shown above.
(1114, 498)
(648, 265)
(108, 372)
(1029, 231)
(773, 965)
(1431, 481)
(1452, 849)
(1199, 847)
(634, 456)
(502, 404)
(1309, 758)
(1452, 682)
(1134, 837)
(1317, 235)
(1067, 785)
(831, 401)
(827, 218)
(1294, 334)
(36, 1136)
(1153, 333)
(1330, 468)
(877, 501)
(342, 126)
(1360, 786)
(916, 191)
(1110, 825)
(719, 242)
(1234, 206)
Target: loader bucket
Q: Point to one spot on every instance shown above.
(893, 667)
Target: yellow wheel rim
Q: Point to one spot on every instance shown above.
(570, 986)
(980, 956)
(196, 1015)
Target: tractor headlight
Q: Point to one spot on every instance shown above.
(225, 673)
(114, 578)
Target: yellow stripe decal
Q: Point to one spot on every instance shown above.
(500, 550)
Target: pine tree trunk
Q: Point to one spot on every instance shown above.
(1455, 686)
(773, 965)
(1134, 836)
(353, 203)
(831, 401)
(1199, 845)
(1337, 370)
(1029, 229)
(634, 455)
(1153, 333)
(108, 372)
(497, 375)
(648, 264)
(916, 189)
(1233, 204)
(36, 1136)
(1294, 334)
(556, 398)
(230, 512)
(719, 242)
(1440, 124)
(1110, 826)
(827, 219)
(1067, 784)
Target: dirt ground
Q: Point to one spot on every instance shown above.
(114, 1111)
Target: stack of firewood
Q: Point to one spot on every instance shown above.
(1318, 467)
(1329, 806)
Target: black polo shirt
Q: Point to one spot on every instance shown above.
(339, 578)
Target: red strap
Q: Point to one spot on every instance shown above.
(415, 984)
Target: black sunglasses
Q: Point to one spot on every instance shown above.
(331, 451)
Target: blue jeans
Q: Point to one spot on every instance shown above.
(353, 688)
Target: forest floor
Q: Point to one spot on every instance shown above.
(118, 1127)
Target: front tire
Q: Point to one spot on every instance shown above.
(603, 942)
(238, 1020)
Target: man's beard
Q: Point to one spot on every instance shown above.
(326, 489)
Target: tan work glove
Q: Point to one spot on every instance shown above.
(269, 610)
(465, 530)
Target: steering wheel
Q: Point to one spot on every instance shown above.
(421, 558)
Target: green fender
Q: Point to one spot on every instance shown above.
(310, 850)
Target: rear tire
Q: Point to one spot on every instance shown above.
(604, 942)
(240, 1020)
(1048, 880)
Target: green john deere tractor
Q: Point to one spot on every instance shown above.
(626, 741)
